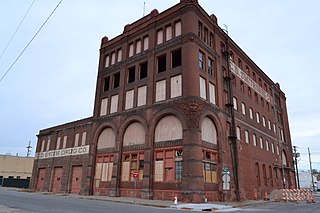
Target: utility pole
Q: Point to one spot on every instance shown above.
(296, 155)
(311, 169)
(29, 149)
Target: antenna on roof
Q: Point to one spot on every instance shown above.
(144, 8)
(225, 29)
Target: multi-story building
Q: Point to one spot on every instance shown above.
(180, 110)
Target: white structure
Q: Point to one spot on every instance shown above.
(305, 180)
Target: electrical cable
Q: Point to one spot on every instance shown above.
(25, 48)
(4, 50)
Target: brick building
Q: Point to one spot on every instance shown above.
(179, 104)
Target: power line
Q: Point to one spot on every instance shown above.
(30, 41)
(4, 50)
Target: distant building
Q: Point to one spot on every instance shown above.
(179, 108)
(305, 180)
(15, 171)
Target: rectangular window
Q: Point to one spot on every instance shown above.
(106, 84)
(205, 35)
(282, 135)
(114, 104)
(272, 147)
(212, 93)
(201, 60)
(162, 63)
(278, 153)
(143, 70)
(177, 30)
(263, 121)
(131, 48)
(250, 113)
(200, 29)
(119, 55)
(83, 138)
(210, 66)
(211, 40)
(142, 96)
(106, 61)
(261, 143)
(113, 58)
(131, 74)
(235, 103)
(238, 133)
(269, 124)
(58, 143)
(158, 170)
(159, 37)
(203, 92)
(138, 47)
(64, 145)
(146, 43)
(116, 80)
(176, 86)
(267, 145)
(129, 99)
(104, 107)
(76, 140)
(246, 134)
(168, 33)
(176, 58)
(258, 117)
(161, 90)
(274, 128)
(254, 139)
(48, 144)
(178, 171)
(243, 109)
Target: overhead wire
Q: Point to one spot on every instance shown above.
(15, 32)
(25, 48)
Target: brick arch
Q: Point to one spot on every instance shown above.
(163, 113)
(101, 128)
(216, 121)
(126, 124)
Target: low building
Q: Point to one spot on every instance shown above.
(306, 182)
(15, 171)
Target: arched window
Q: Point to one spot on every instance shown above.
(134, 134)
(168, 128)
(284, 159)
(106, 139)
(208, 131)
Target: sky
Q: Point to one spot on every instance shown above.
(53, 82)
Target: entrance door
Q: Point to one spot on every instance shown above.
(76, 180)
(40, 180)
(56, 181)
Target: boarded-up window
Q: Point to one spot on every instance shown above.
(146, 43)
(161, 90)
(119, 57)
(168, 128)
(210, 173)
(168, 33)
(113, 58)
(158, 170)
(114, 104)
(203, 93)
(177, 30)
(76, 140)
(131, 49)
(106, 139)
(83, 139)
(129, 99)
(176, 86)
(159, 37)
(98, 174)
(58, 143)
(64, 145)
(142, 96)
(134, 134)
(284, 159)
(138, 47)
(212, 93)
(42, 145)
(208, 131)
(104, 168)
(107, 61)
(125, 175)
(104, 107)
(48, 144)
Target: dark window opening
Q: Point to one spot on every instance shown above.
(131, 74)
(176, 58)
(143, 70)
(116, 80)
(106, 84)
(162, 63)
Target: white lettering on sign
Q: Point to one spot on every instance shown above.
(80, 150)
(243, 76)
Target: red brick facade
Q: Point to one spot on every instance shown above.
(177, 102)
